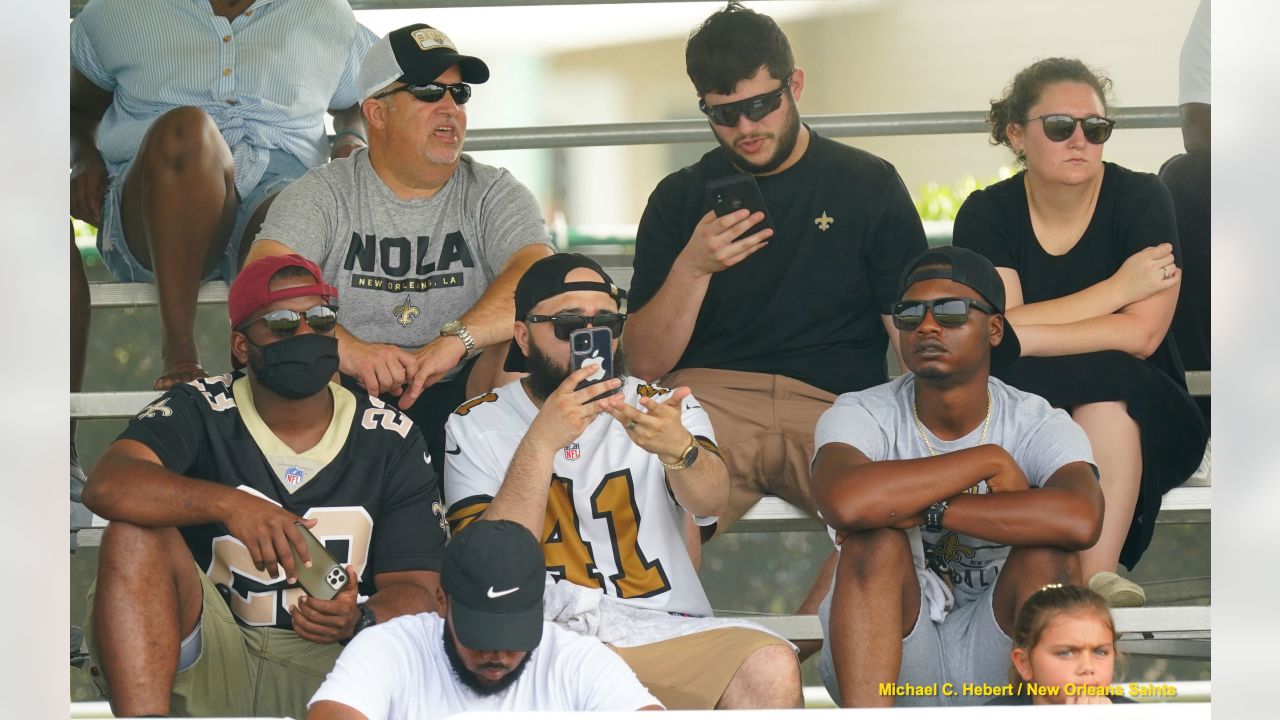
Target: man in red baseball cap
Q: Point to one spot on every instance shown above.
(208, 601)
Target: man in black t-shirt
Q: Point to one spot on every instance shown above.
(198, 609)
(767, 327)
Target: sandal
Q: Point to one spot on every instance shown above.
(186, 372)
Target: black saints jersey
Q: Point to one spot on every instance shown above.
(368, 483)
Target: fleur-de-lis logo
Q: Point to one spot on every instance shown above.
(405, 313)
(159, 407)
(823, 221)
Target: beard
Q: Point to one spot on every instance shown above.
(546, 374)
(786, 144)
(472, 681)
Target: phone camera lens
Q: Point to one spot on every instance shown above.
(582, 343)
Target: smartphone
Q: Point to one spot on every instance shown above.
(593, 346)
(738, 191)
(326, 577)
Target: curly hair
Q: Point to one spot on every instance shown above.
(731, 45)
(1027, 87)
(1048, 603)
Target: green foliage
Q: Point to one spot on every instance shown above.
(942, 202)
(86, 240)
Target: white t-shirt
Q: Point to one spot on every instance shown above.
(879, 422)
(398, 669)
(1194, 62)
(612, 520)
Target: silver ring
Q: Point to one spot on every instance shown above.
(1164, 273)
(631, 425)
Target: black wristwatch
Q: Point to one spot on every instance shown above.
(933, 515)
(366, 620)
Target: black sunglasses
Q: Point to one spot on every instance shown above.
(563, 324)
(755, 107)
(284, 323)
(432, 92)
(1060, 127)
(949, 312)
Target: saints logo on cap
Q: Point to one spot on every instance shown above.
(431, 38)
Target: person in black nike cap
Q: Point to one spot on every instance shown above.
(488, 649)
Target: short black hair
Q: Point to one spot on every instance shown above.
(731, 46)
(1029, 84)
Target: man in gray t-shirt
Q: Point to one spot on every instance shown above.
(1003, 484)
(424, 244)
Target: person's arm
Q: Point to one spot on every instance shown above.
(1196, 120)
(895, 342)
(325, 622)
(1065, 513)
(1138, 330)
(565, 414)
(88, 170)
(854, 493)
(348, 132)
(490, 322)
(130, 484)
(703, 487)
(658, 331)
(334, 710)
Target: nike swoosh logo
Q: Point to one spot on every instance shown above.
(494, 594)
(455, 451)
(694, 407)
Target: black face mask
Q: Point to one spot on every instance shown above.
(296, 367)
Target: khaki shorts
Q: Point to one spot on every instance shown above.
(241, 671)
(692, 672)
(764, 429)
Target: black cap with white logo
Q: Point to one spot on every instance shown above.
(494, 574)
(414, 55)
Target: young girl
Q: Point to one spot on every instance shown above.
(1064, 650)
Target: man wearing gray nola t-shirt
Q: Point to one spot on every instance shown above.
(1003, 484)
(424, 244)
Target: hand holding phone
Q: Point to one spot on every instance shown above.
(325, 578)
(737, 192)
(593, 346)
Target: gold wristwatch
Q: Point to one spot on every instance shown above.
(687, 457)
(458, 330)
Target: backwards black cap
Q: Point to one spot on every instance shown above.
(545, 279)
(975, 271)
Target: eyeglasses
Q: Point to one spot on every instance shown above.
(949, 312)
(565, 323)
(432, 92)
(284, 323)
(1060, 127)
(755, 107)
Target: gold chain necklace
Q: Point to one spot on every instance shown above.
(925, 436)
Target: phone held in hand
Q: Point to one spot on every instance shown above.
(326, 577)
(593, 346)
(738, 191)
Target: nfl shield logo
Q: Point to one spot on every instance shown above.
(293, 475)
(572, 452)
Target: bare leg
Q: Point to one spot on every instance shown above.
(1026, 570)
(178, 209)
(817, 591)
(1117, 449)
(148, 598)
(79, 344)
(875, 605)
(768, 678)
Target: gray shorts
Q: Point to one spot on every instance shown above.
(966, 647)
(282, 169)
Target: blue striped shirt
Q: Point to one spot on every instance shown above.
(266, 78)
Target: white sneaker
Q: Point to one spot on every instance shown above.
(1118, 591)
